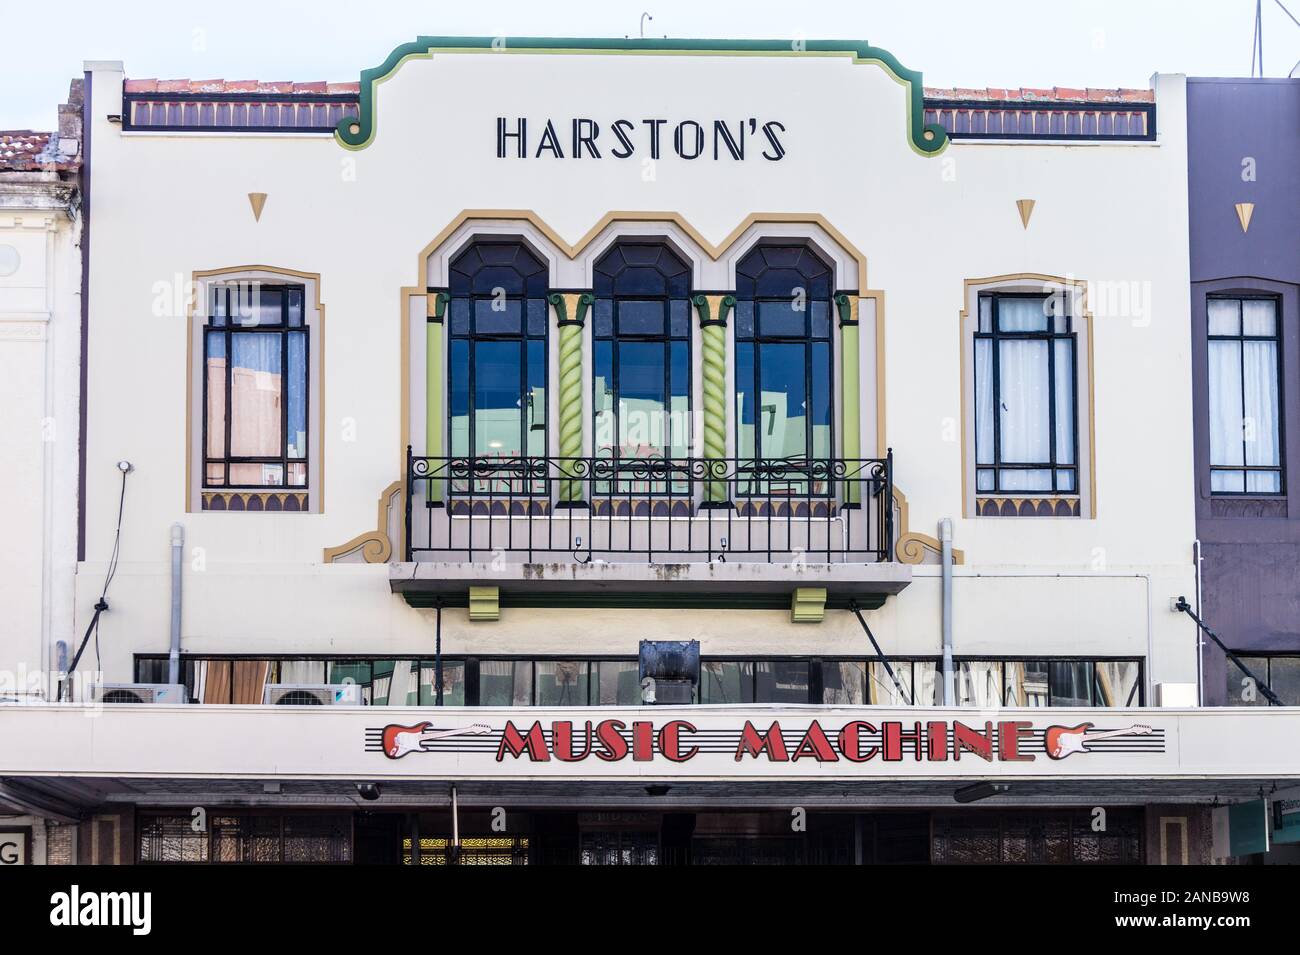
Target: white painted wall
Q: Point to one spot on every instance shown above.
(167, 205)
(40, 322)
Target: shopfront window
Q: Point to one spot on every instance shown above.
(497, 321)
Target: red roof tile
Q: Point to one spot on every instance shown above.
(314, 88)
(1057, 94)
(22, 150)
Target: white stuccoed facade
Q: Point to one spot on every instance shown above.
(168, 205)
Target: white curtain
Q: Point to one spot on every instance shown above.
(1259, 374)
(984, 401)
(1225, 411)
(1024, 415)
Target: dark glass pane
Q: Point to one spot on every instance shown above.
(743, 317)
(296, 440)
(640, 317)
(786, 318)
(537, 311)
(782, 681)
(498, 416)
(727, 681)
(458, 315)
(536, 418)
(266, 306)
(782, 412)
(602, 318)
(497, 316)
(1069, 683)
(821, 400)
(602, 395)
(217, 306)
(458, 396)
(819, 314)
(1284, 679)
(562, 683)
(679, 311)
(453, 683)
(616, 683)
(746, 405)
(293, 301)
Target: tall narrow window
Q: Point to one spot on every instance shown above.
(784, 371)
(1245, 399)
(255, 381)
(1025, 395)
(641, 352)
(497, 331)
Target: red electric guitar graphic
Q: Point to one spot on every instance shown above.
(400, 740)
(1063, 741)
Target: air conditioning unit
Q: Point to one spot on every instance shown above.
(139, 693)
(312, 694)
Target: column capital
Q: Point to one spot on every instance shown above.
(712, 307)
(847, 305)
(436, 307)
(571, 307)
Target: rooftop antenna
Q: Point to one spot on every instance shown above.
(1257, 41)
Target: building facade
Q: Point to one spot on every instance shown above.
(41, 233)
(1244, 203)
(446, 389)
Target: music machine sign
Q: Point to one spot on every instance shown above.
(778, 744)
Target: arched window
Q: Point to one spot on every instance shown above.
(784, 370)
(497, 331)
(641, 337)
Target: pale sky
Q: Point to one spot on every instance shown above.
(1039, 43)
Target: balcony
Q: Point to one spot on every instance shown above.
(579, 531)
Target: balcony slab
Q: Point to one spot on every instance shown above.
(716, 584)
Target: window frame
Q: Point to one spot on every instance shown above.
(228, 329)
(666, 338)
(757, 339)
(995, 336)
(473, 336)
(1278, 339)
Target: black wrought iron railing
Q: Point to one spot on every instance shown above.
(646, 509)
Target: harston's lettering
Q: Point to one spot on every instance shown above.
(581, 138)
(857, 741)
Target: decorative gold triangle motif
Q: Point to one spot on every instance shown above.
(1244, 211)
(1026, 207)
(257, 200)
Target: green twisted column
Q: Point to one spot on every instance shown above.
(712, 311)
(434, 375)
(570, 312)
(850, 398)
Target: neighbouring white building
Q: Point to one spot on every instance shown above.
(443, 391)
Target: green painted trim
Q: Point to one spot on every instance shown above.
(357, 132)
(484, 603)
(850, 390)
(571, 382)
(808, 605)
(713, 358)
(635, 600)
